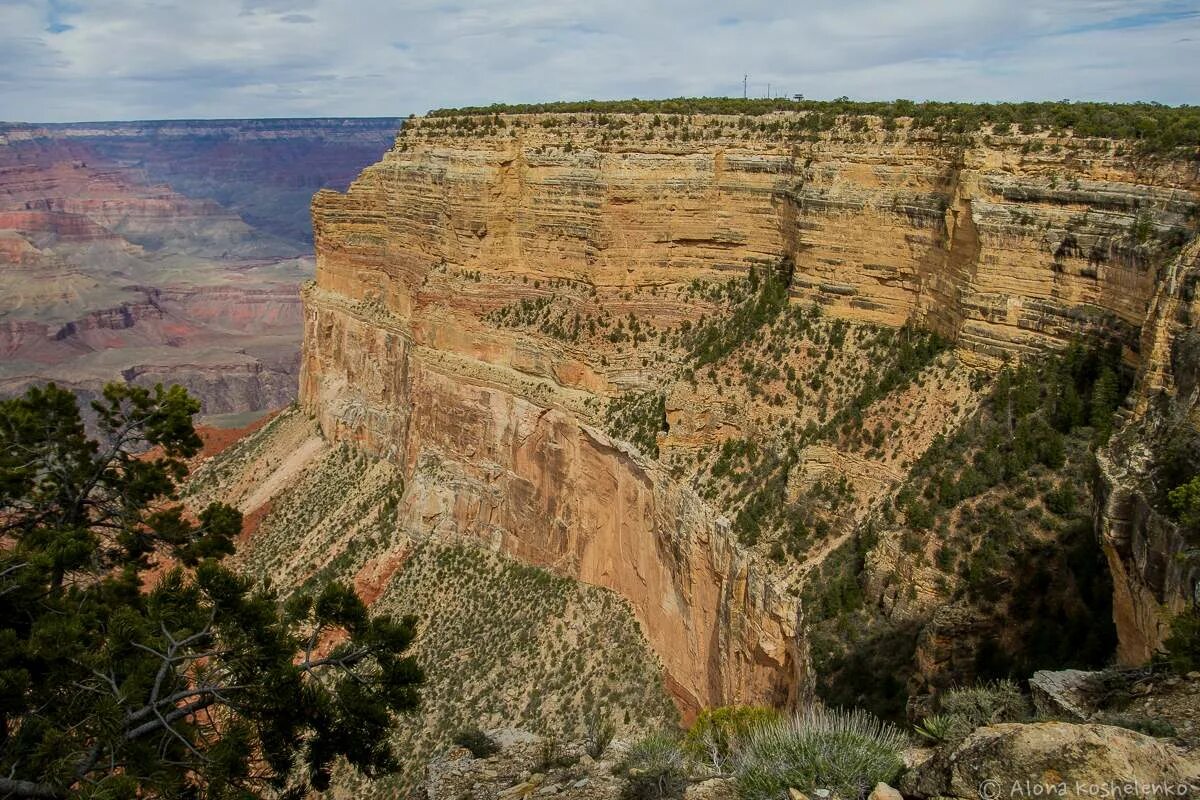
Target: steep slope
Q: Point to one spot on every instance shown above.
(1154, 558)
(500, 640)
(687, 358)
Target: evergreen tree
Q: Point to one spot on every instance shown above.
(115, 683)
(1105, 396)
(1185, 502)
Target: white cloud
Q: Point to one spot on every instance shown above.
(114, 59)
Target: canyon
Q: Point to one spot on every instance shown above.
(497, 296)
(714, 365)
(165, 251)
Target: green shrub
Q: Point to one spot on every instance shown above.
(1061, 500)
(718, 734)
(1183, 645)
(845, 751)
(965, 709)
(654, 768)
(1151, 726)
(989, 703)
(1185, 502)
(479, 743)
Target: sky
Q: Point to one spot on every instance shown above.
(72, 60)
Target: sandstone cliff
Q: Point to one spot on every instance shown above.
(1154, 564)
(499, 289)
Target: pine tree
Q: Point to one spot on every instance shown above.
(115, 684)
(1105, 396)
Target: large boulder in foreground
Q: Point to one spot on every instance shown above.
(1056, 759)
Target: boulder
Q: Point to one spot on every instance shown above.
(884, 792)
(1063, 694)
(1055, 759)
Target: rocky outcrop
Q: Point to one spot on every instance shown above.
(484, 460)
(1063, 694)
(584, 219)
(524, 765)
(1155, 567)
(1055, 759)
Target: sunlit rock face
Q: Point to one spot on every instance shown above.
(409, 349)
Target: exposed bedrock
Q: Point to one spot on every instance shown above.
(1004, 248)
(1155, 564)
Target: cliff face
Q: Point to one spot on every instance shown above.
(1154, 565)
(1002, 244)
(477, 288)
(165, 251)
(488, 454)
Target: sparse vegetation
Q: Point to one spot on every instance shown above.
(520, 647)
(654, 768)
(847, 752)
(757, 303)
(1153, 127)
(1010, 488)
(638, 418)
(718, 735)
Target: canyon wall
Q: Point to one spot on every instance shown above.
(1153, 560)
(1003, 243)
(165, 251)
(488, 454)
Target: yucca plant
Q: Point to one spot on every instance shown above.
(936, 728)
(718, 734)
(654, 768)
(600, 731)
(986, 704)
(847, 752)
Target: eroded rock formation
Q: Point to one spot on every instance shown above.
(165, 251)
(1155, 569)
(569, 223)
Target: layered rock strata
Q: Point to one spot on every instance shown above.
(165, 251)
(1000, 245)
(1154, 562)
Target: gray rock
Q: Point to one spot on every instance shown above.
(1063, 694)
(1082, 758)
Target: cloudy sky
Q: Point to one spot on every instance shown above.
(63, 60)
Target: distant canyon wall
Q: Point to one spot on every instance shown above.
(165, 251)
